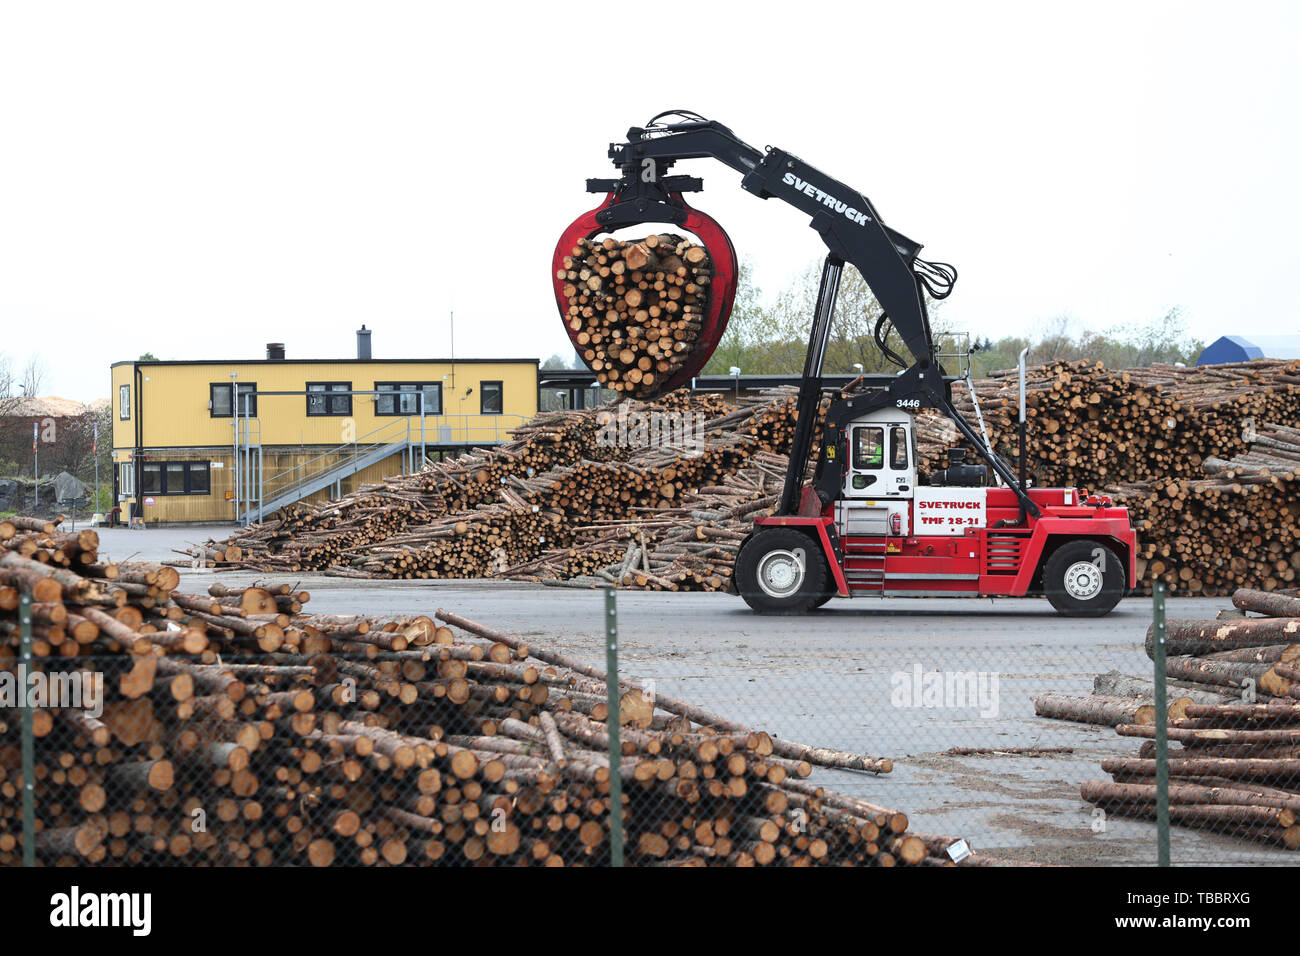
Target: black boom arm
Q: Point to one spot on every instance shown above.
(853, 233)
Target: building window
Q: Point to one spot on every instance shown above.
(151, 478)
(403, 398)
(490, 399)
(125, 479)
(322, 401)
(124, 401)
(175, 478)
(219, 399)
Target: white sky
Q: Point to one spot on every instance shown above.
(197, 179)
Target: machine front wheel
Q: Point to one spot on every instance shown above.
(1084, 579)
(781, 571)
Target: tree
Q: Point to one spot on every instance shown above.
(746, 329)
(72, 449)
(556, 361)
(15, 389)
(774, 338)
(148, 357)
(1164, 339)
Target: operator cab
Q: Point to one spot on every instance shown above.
(880, 477)
(881, 494)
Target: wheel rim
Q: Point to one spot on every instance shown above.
(780, 573)
(1083, 580)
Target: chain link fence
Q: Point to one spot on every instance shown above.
(461, 745)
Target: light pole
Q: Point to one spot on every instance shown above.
(36, 461)
(735, 382)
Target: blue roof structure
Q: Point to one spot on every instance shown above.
(1238, 348)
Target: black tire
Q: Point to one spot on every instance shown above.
(768, 576)
(1079, 591)
(823, 599)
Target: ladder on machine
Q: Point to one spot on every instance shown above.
(864, 563)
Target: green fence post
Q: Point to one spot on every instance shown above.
(1162, 727)
(615, 745)
(29, 741)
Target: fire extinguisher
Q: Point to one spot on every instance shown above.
(895, 523)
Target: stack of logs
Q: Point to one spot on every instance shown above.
(636, 307)
(1093, 428)
(1239, 527)
(235, 729)
(1233, 724)
(690, 547)
(537, 502)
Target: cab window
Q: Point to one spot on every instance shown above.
(898, 447)
(869, 447)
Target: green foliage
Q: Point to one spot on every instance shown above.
(103, 498)
(772, 338)
(556, 361)
(148, 357)
(1163, 340)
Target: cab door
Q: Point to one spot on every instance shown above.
(880, 461)
(879, 480)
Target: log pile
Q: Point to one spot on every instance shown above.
(538, 499)
(1239, 527)
(234, 728)
(635, 307)
(690, 547)
(1233, 724)
(1092, 428)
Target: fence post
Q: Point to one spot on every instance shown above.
(29, 742)
(611, 723)
(1162, 727)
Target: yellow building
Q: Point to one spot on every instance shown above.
(185, 450)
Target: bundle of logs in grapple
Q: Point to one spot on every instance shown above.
(233, 728)
(1233, 694)
(635, 308)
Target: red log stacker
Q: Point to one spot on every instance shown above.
(868, 524)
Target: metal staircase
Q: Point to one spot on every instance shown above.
(257, 496)
(864, 563)
(330, 468)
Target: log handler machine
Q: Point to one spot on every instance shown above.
(867, 524)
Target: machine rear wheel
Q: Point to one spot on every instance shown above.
(1083, 579)
(780, 571)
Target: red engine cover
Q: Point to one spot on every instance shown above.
(722, 289)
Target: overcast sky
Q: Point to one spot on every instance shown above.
(196, 180)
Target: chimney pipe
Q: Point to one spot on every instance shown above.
(363, 342)
(275, 351)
